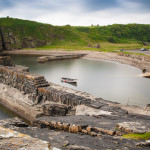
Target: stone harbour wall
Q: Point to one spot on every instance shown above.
(40, 91)
(23, 81)
(69, 97)
(44, 59)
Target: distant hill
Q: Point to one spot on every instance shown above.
(19, 34)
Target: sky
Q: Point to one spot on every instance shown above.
(78, 12)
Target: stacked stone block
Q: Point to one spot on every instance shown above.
(51, 93)
(41, 91)
(23, 81)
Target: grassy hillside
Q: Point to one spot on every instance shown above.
(17, 33)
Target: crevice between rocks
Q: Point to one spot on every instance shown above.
(2, 39)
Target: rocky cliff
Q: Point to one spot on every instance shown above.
(1, 47)
(18, 34)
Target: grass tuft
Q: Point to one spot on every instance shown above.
(138, 136)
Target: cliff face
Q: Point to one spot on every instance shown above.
(5, 39)
(10, 39)
(1, 43)
(18, 34)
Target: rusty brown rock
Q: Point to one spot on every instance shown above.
(104, 131)
(93, 134)
(75, 128)
(89, 129)
(53, 124)
(119, 133)
(66, 126)
(84, 131)
(110, 132)
(14, 140)
(59, 125)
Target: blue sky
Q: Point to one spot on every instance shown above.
(78, 12)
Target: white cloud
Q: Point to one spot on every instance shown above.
(73, 13)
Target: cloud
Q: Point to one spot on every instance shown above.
(78, 12)
(146, 3)
(138, 6)
(94, 5)
(5, 4)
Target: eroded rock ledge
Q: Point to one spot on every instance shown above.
(10, 139)
(69, 140)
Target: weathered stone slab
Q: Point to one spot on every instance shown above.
(10, 139)
(55, 109)
(95, 104)
(69, 141)
(22, 68)
(105, 124)
(133, 127)
(144, 144)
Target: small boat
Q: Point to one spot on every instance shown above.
(68, 80)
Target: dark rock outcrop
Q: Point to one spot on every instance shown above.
(6, 42)
(18, 34)
(5, 61)
(55, 109)
(1, 47)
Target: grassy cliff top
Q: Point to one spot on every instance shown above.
(110, 37)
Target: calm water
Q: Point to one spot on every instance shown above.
(4, 113)
(108, 80)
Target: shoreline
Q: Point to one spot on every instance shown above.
(139, 61)
(113, 57)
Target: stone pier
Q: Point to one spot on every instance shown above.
(44, 59)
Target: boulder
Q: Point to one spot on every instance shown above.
(55, 109)
(147, 107)
(21, 68)
(5, 61)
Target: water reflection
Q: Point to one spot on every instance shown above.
(4, 113)
(71, 83)
(109, 80)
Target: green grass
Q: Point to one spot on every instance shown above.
(136, 136)
(105, 46)
(47, 37)
(134, 53)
